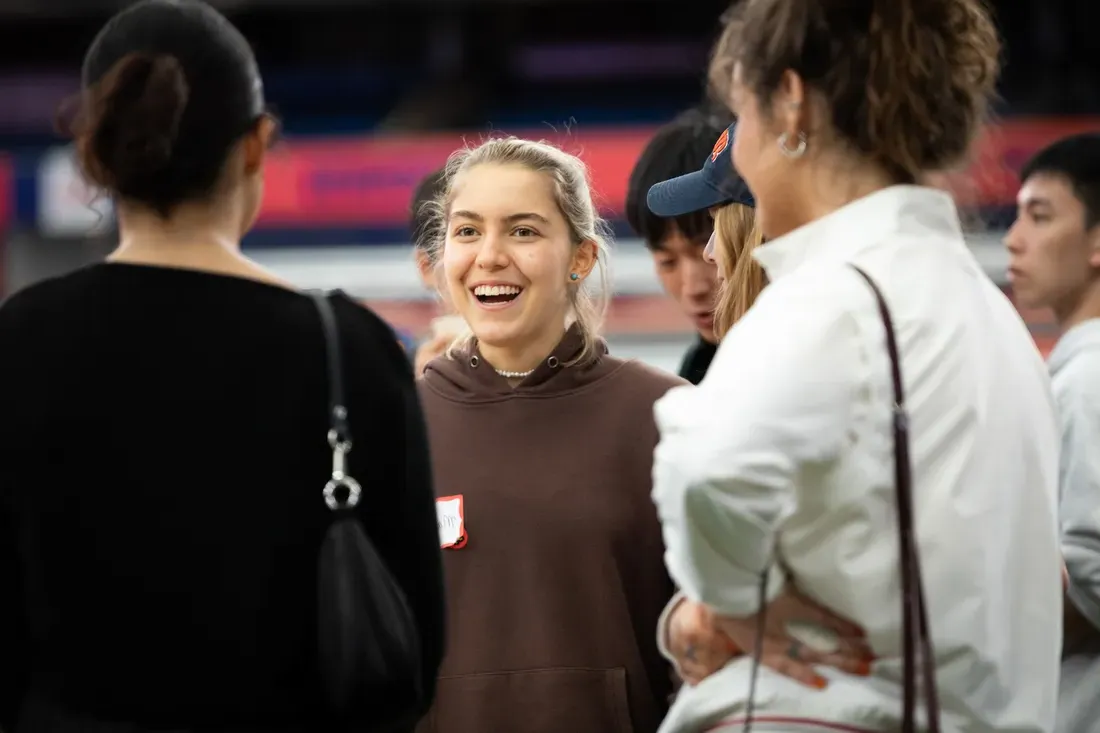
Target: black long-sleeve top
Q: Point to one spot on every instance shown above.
(162, 457)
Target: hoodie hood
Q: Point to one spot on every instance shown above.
(1085, 336)
(467, 377)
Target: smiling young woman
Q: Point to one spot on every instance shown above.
(542, 450)
(518, 238)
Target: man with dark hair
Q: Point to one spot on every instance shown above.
(1054, 250)
(677, 243)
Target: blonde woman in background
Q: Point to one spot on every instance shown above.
(720, 190)
(676, 244)
(688, 634)
(740, 277)
(542, 448)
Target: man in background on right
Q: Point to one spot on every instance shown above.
(1054, 250)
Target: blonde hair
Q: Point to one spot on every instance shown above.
(569, 180)
(738, 234)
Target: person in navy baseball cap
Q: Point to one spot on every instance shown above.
(677, 244)
(718, 189)
(717, 183)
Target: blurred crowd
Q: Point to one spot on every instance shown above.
(342, 68)
(865, 502)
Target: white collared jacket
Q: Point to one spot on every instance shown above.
(787, 448)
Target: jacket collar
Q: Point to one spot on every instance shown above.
(866, 222)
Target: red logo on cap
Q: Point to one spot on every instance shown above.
(721, 145)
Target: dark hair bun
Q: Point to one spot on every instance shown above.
(130, 121)
(169, 87)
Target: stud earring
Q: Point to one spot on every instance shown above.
(574, 276)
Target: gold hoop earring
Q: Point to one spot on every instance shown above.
(795, 152)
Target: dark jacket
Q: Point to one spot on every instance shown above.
(161, 510)
(697, 360)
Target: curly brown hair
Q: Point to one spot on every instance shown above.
(908, 82)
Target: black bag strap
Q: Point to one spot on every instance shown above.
(915, 627)
(342, 491)
(338, 413)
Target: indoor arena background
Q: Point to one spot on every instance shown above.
(373, 95)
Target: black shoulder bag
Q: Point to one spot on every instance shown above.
(368, 641)
(914, 615)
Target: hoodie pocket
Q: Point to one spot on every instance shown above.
(564, 700)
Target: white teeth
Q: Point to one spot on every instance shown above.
(490, 290)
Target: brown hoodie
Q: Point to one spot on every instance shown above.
(554, 598)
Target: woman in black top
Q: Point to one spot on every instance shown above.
(163, 420)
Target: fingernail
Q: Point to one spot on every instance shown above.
(821, 683)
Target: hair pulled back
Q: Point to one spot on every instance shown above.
(907, 82)
(127, 127)
(169, 87)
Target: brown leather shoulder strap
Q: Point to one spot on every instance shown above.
(915, 628)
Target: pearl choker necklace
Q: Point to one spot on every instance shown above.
(514, 375)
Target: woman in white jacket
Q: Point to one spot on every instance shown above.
(778, 470)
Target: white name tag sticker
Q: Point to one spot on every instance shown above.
(451, 519)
